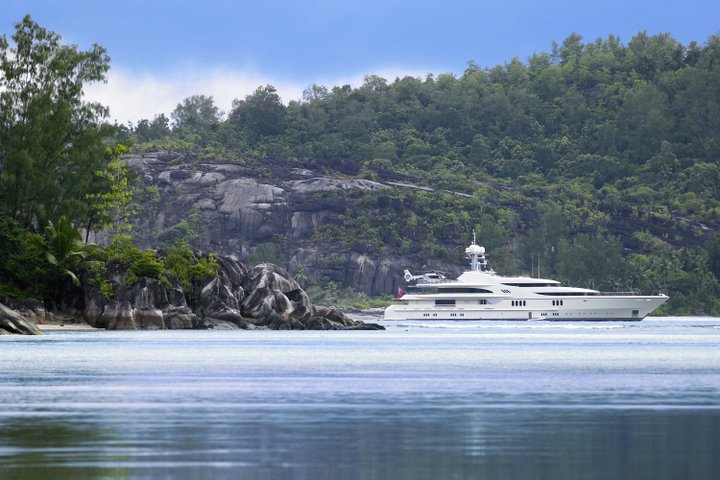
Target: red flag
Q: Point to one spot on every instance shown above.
(400, 292)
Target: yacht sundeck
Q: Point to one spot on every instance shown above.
(482, 294)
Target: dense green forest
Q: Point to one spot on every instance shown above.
(599, 161)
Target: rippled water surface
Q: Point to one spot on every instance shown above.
(420, 400)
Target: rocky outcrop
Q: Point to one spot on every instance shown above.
(220, 302)
(239, 208)
(324, 318)
(275, 298)
(146, 305)
(11, 322)
(265, 297)
(34, 311)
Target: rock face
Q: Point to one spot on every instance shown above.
(240, 208)
(264, 297)
(275, 299)
(12, 322)
(221, 299)
(146, 305)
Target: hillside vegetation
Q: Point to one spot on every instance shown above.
(597, 163)
(597, 160)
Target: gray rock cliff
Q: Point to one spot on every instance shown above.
(238, 208)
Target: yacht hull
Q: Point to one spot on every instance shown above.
(595, 310)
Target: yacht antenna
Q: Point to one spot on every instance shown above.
(476, 254)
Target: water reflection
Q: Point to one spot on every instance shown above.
(377, 443)
(48, 448)
(479, 401)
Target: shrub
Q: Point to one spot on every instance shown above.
(29, 268)
(182, 264)
(205, 267)
(106, 289)
(122, 250)
(178, 264)
(145, 265)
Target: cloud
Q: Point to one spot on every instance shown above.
(133, 96)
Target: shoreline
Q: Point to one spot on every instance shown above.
(68, 326)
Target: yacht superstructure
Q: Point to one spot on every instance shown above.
(482, 294)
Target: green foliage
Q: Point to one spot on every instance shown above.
(259, 115)
(111, 198)
(96, 271)
(205, 267)
(183, 232)
(106, 289)
(52, 141)
(186, 268)
(149, 131)
(34, 264)
(25, 266)
(65, 249)
(597, 161)
(178, 264)
(147, 264)
(121, 250)
(197, 116)
(331, 294)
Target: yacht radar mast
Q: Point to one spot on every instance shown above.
(476, 254)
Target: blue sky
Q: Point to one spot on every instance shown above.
(163, 51)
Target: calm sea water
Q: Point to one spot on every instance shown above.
(418, 401)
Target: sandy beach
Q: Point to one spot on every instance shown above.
(67, 326)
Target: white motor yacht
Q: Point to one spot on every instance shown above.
(482, 294)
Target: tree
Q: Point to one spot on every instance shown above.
(196, 114)
(111, 200)
(541, 243)
(664, 162)
(64, 248)
(596, 262)
(261, 114)
(713, 249)
(158, 128)
(704, 178)
(51, 141)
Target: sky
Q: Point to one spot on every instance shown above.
(163, 51)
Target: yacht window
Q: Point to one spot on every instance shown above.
(444, 302)
(463, 290)
(568, 294)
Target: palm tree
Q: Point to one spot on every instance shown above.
(65, 249)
